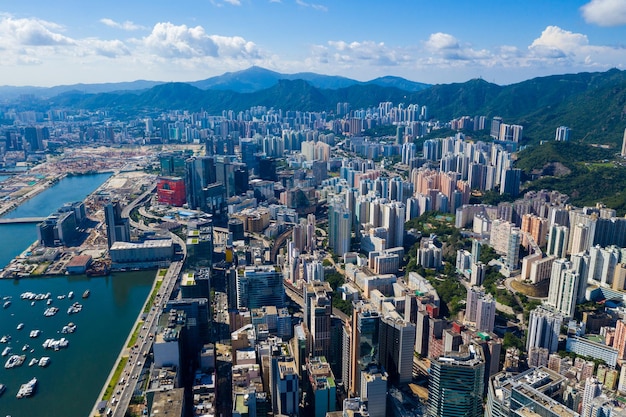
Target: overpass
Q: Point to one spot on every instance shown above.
(18, 220)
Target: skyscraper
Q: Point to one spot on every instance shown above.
(562, 134)
(339, 228)
(374, 390)
(118, 228)
(260, 286)
(593, 388)
(558, 236)
(456, 383)
(364, 342)
(544, 327)
(563, 290)
(318, 310)
(397, 338)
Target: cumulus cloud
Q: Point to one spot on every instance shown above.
(553, 47)
(555, 42)
(605, 12)
(126, 25)
(438, 41)
(31, 32)
(172, 41)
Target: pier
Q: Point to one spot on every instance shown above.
(18, 220)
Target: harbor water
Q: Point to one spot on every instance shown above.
(15, 238)
(70, 385)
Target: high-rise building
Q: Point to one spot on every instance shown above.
(558, 236)
(339, 228)
(199, 173)
(480, 309)
(397, 338)
(456, 383)
(486, 313)
(118, 228)
(593, 388)
(321, 385)
(544, 327)
(563, 291)
(260, 286)
(511, 182)
(285, 386)
(318, 310)
(562, 134)
(374, 390)
(364, 347)
(512, 254)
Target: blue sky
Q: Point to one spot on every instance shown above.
(46, 43)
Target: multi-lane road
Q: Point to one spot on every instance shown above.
(137, 354)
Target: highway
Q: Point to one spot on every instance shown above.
(125, 388)
(137, 355)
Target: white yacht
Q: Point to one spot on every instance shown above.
(27, 389)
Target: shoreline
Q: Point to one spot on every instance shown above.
(37, 189)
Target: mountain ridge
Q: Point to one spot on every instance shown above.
(250, 80)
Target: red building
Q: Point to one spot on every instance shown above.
(171, 191)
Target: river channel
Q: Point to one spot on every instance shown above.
(69, 386)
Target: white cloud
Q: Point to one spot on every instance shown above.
(314, 6)
(605, 12)
(108, 49)
(127, 25)
(553, 48)
(233, 2)
(439, 40)
(31, 32)
(171, 41)
(555, 42)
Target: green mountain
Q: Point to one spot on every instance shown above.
(593, 105)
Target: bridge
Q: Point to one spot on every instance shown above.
(18, 220)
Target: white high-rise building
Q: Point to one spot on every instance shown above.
(544, 327)
(562, 134)
(486, 313)
(580, 238)
(563, 290)
(593, 388)
(558, 236)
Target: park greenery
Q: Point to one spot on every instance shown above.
(336, 280)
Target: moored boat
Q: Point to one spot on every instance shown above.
(86, 293)
(27, 389)
(15, 360)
